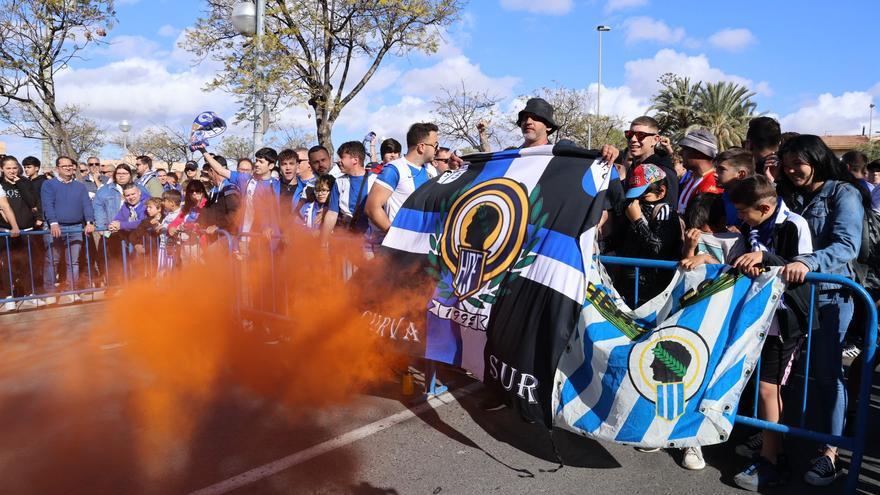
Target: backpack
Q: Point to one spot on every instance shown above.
(869, 252)
(867, 263)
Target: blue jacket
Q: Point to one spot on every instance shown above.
(107, 202)
(66, 203)
(835, 215)
(123, 215)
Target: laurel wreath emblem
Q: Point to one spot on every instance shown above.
(490, 294)
(669, 361)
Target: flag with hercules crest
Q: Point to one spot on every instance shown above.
(503, 241)
(669, 373)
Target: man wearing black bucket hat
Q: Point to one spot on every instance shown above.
(536, 122)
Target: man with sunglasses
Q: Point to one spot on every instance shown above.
(399, 178)
(535, 121)
(643, 139)
(441, 160)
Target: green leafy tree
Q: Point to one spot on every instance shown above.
(319, 52)
(39, 38)
(725, 108)
(676, 105)
(871, 149)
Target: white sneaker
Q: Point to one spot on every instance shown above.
(693, 459)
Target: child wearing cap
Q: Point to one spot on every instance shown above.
(652, 231)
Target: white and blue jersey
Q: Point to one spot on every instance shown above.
(251, 187)
(312, 214)
(344, 198)
(300, 192)
(401, 178)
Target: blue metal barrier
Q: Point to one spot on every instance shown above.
(856, 443)
(92, 262)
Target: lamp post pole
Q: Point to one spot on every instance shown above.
(124, 126)
(260, 103)
(870, 121)
(601, 29)
(250, 20)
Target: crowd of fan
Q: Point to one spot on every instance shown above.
(782, 199)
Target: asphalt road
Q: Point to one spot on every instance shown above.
(380, 442)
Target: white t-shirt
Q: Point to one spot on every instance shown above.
(723, 246)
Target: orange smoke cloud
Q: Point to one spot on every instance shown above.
(129, 408)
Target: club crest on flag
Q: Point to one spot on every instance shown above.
(668, 367)
(482, 241)
(484, 233)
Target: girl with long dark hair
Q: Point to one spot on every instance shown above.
(192, 237)
(816, 185)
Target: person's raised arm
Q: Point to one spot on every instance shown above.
(482, 129)
(215, 165)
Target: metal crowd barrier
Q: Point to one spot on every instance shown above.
(89, 265)
(856, 443)
(270, 300)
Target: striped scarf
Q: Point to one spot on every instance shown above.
(761, 237)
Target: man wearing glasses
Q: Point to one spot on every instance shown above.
(441, 160)
(644, 140)
(399, 178)
(66, 206)
(90, 176)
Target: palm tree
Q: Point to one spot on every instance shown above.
(725, 108)
(677, 105)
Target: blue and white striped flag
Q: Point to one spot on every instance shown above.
(670, 373)
(504, 243)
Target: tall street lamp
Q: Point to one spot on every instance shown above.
(601, 29)
(249, 20)
(124, 126)
(870, 121)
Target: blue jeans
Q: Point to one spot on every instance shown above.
(835, 314)
(66, 247)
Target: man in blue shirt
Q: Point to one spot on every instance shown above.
(66, 204)
(399, 178)
(349, 194)
(260, 192)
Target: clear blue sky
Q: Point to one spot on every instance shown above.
(810, 62)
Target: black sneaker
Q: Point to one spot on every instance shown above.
(762, 474)
(822, 473)
(751, 447)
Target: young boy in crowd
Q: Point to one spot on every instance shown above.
(777, 237)
(652, 231)
(732, 166)
(168, 255)
(146, 233)
(707, 239)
